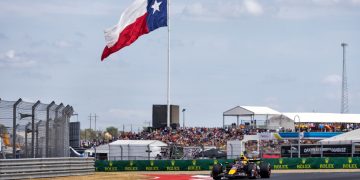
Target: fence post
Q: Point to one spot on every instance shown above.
(321, 150)
(128, 152)
(352, 148)
(121, 152)
(55, 119)
(108, 156)
(47, 128)
(37, 139)
(68, 111)
(26, 138)
(33, 129)
(14, 127)
(148, 151)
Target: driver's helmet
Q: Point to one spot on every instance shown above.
(243, 159)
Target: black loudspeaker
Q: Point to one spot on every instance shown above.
(159, 116)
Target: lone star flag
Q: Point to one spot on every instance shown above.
(142, 17)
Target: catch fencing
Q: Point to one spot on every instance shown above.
(45, 167)
(34, 129)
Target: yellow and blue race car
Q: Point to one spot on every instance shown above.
(240, 168)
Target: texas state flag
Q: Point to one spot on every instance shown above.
(142, 17)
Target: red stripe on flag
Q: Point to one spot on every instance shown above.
(128, 36)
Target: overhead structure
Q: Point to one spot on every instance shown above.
(249, 111)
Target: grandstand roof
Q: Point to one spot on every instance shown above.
(250, 111)
(352, 136)
(324, 117)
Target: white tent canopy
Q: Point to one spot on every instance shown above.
(139, 142)
(349, 137)
(135, 149)
(248, 111)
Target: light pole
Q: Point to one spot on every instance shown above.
(183, 110)
(298, 134)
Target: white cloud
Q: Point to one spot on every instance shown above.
(333, 79)
(222, 10)
(326, 2)
(355, 2)
(10, 54)
(195, 9)
(41, 8)
(253, 7)
(15, 60)
(63, 44)
(306, 9)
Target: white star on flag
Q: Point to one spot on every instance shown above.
(156, 6)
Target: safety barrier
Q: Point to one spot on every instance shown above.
(45, 167)
(316, 163)
(207, 164)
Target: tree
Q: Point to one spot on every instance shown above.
(87, 134)
(113, 131)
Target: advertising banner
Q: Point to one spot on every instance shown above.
(338, 150)
(207, 164)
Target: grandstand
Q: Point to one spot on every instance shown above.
(269, 130)
(266, 118)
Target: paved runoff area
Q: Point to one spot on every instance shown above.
(334, 174)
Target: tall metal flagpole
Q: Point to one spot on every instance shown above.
(168, 65)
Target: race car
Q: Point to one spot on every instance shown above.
(243, 167)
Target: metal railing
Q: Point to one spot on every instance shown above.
(28, 168)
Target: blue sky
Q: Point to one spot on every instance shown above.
(276, 53)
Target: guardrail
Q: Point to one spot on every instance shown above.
(45, 167)
(207, 164)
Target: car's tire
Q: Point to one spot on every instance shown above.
(216, 171)
(250, 167)
(265, 170)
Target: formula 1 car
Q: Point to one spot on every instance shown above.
(252, 168)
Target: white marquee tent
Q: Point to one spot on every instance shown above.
(249, 111)
(276, 120)
(135, 149)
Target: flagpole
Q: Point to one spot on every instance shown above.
(168, 65)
